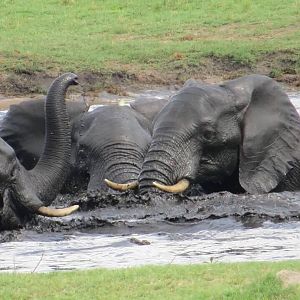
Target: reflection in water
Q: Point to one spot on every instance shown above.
(222, 240)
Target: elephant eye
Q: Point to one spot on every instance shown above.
(208, 135)
(13, 173)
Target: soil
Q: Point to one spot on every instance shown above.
(289, 277)
(283, 66)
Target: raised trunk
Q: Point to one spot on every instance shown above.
(53, 167)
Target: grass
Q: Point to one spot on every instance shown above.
(207, 281)
(80, 35)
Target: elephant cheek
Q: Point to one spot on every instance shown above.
(219, 166)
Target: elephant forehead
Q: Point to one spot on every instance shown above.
(111, 125)
(190, 111)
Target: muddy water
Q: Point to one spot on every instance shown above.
(220, 236)
(223, 240)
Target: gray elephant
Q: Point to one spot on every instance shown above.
(240, 135)
(108, 143)
(26, 192)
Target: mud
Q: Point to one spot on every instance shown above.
(280, 65)
(129, 212)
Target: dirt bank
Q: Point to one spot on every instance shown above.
(282, 66)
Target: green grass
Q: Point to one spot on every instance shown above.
(79, 35)
(207, 281)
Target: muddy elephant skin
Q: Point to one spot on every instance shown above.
(243, 135)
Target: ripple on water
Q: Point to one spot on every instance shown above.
(222, 240)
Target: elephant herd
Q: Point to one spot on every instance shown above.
(240, 136)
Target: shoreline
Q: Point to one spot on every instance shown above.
(121, 79)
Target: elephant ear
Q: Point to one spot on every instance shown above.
(270, 139)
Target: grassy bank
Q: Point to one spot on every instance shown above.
(157, 40)
(206, 281)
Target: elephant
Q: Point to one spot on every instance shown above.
(108, 143)
(240, 136)
(32, 191)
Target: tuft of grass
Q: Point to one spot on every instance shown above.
(106, 35)
(207, 281)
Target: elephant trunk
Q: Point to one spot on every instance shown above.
(31, 191)
(165, 166)
(53, 167)
(119, 168)
(159, 166)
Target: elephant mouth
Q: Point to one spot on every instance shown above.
(181, 186)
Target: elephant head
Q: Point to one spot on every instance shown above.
(112, 142)
(245, 130)
(32, 191)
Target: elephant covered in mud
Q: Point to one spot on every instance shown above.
(108, 143)
(31, 191)
(243, 135)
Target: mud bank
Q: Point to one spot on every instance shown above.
(281, 66)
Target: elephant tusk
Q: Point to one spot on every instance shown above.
(179, 187)
(121, 186)
(56, 212)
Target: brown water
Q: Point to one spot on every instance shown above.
(217, 240)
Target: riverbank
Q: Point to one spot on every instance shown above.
(133, 43)
(211, 70)
(257, 280)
